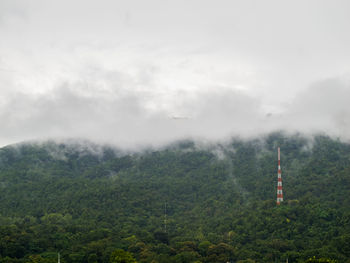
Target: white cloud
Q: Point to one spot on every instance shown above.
(125, 119)
(119, 71)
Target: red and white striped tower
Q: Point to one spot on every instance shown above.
(279, 180)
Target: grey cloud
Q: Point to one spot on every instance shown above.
(323, 107)
(118, 71)
(123, 118)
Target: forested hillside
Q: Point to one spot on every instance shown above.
(187, 202)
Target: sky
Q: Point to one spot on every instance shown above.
(149, 72)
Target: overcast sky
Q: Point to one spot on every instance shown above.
(147, 72)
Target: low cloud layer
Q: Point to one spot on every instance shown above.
(127, 118)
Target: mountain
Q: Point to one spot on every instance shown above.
(190, 201)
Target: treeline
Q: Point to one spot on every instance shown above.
(182, 203)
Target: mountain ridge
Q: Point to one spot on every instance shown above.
(219, 198)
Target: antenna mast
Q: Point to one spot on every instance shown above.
(279, 180)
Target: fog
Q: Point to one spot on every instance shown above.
(148, 73)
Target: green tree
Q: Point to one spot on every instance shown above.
(121, 256)
(320, 260)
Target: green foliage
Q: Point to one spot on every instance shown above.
(100, 205)
(40, 259)
(320, 260)
(121, 256)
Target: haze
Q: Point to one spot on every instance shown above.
(150, 72)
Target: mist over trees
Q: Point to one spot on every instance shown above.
(187, 202)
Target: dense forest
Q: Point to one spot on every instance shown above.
(187, 202)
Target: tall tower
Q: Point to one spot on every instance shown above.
(279, 180)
